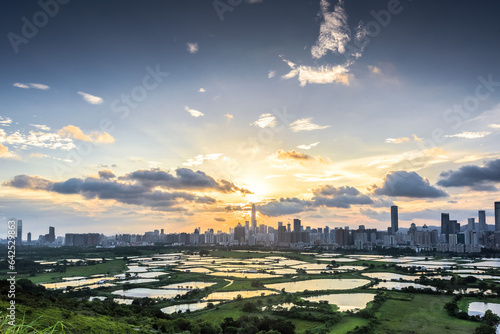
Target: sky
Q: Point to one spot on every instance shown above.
(126, 116)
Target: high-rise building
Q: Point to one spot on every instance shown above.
(296, 225)
(19, 232)
(394, 219)
(497, 216)
(482, 220)
(239, 233)
(445, 222)
(52, 234)
(29, 237)
(470, 224)
(254, 219)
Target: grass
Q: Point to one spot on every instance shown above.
(27, 328)
(421, 314)
(109, 267)
(348, 324)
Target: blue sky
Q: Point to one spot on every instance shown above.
(324, 110)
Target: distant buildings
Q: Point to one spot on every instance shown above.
(394, 219)
(19, 232)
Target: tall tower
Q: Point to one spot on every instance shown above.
(497, 216)
(445, 222)
(254, 219)
(29, 237)
(394, 219)
(296, 225)
(470, 224)
(52, 234)
(482, 220)
(19, 232)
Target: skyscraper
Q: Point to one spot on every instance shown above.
(482, 220)
(29, 237)
(445, 222)
(296, 225)
(19, 232)
(254, 219)
(52, 234)
(394, 219)
(497, 216)
(470, 224)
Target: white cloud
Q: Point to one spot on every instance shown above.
(229, 116)
(39, 86)
(470, 135)
(265, 121)
(194, 113)
(92, 99)
(199, 159)
(494, 126)
(334, 32)
(5, 121)
(192, 47)
(271, 74)
(318, 74)
(31, 85)
(201, 90)
(308, 147)
(41, 127)
(304, 124)
(272, 176)
(397, 140)
(21, 85)
(51, 141)
(71, 131)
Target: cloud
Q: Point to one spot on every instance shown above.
(410, 160)
(292, 155)
(154, 189)
(5, 121)
(397, 140)
(304, 124)
(494, 126)
(473, 176)
(6, 154)
(374, 69)
(265, 121)
(334, 31)
(20, 85)
(469, 135)
(292, 159)
(41, 127)
(318, 74)
(407, 184)
(229, 116)
(271, 74)
(284, 206)
(185, 179)
(219, 219)
(307, 147)
(31, 85)
(199, 159)
(37, 139)
(201, 90)
(39, 86)
(106, 174)
(194, 113)
(92, 99)
(192, 47)
(273, 176)
(339, 197)
(71, 131)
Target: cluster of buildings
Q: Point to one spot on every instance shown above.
(451, 236)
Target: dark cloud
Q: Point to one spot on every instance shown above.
(339, 197)
(407, 184)
(141, 191)
(473, 176)
(294, 155)
(284, 206)
(219, 219)
(184, 179)
(106, 174)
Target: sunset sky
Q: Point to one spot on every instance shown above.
(128, 116)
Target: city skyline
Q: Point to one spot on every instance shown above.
(182, 114)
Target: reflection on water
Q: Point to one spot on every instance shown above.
(184, 307)
(151, 293)
(229, 295)
(401, 285)
(319, 284)
(345, 301)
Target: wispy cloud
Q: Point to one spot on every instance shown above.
(397, 140)
(305, 124)
(265, 121)
(37, 139)
(92, 99)
(74, 132)
(229, 116)
(192, 47)
(201, 90)
(494, 126)
(273, 176)
(41, 127)
(308, 147)
(319, 74)
(271, 74)
(5, 121)
(6, 154)
(469, 135)
(31, 85)
(199, 159)
(193, 112)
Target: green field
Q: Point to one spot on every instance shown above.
(421, 314)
